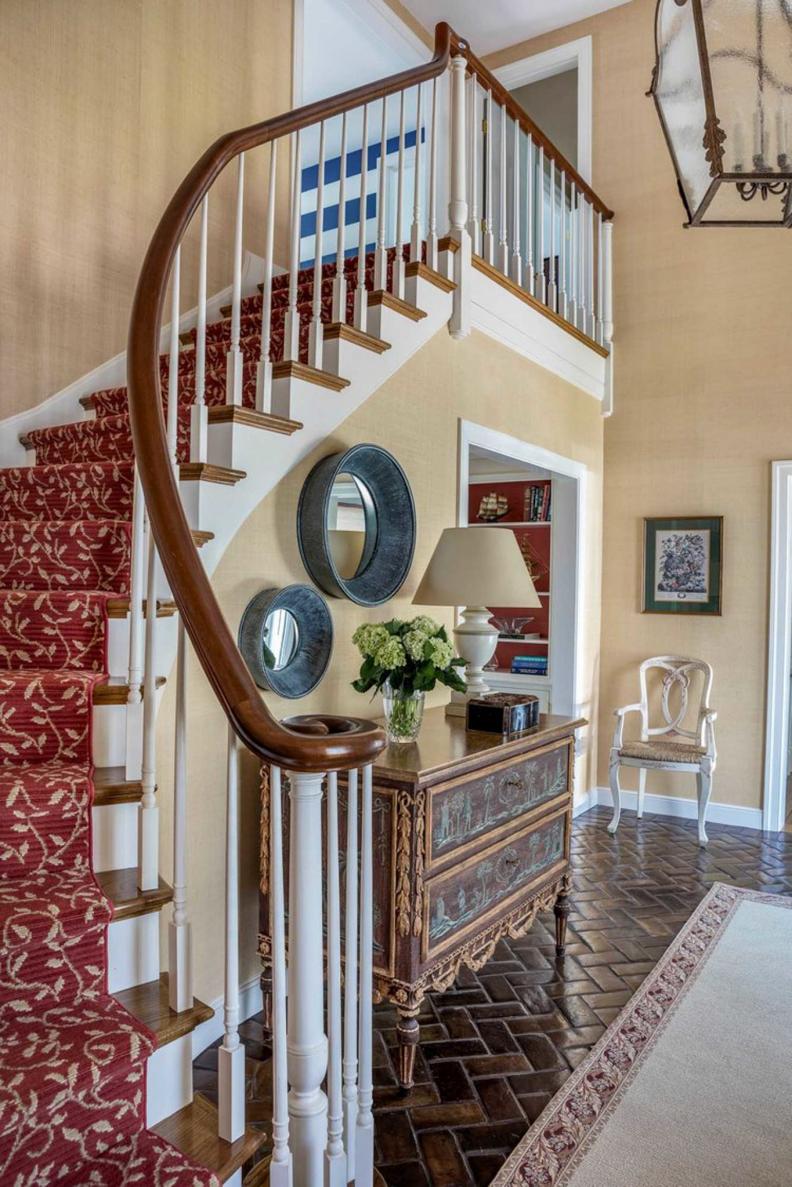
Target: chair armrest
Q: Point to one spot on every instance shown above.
(620, 714)
(707, 719)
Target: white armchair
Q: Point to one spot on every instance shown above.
(685, 741)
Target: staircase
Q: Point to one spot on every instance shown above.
(108, 537)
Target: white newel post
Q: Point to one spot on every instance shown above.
(350, 980)
(607, 313)
(231, 1056)
(234, 360)
(280, 1171)
(364, 1137)
(148, 829)
(134, 709)
(199, 414)
(180, 992)
(307, 1042)
(336, 1174)
(457, 205)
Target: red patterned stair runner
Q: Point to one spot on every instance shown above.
(72, 1060)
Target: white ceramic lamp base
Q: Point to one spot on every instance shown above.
(476, 639)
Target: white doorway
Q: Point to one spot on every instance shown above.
(778, 734)
(487, 457)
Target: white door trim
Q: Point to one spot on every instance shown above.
(779, 649)
(573, 54)
(565, 669)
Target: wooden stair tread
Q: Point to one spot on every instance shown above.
(342, 329)
(111, 786)
(207, 472)
(119, 608)
(149, 1004)
(193, 1130)
(290, 369)
(115, 690)
(418, 268)
(383, 297)
(121, 888)
(233, 413)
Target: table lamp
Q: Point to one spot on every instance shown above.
(476, 567)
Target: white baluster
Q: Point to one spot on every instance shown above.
(199, 416)
(280, 1170)
(350, 979)
(134, 710)
(431, 238)
(381, 251)
(591, 320)
(573, 255)
(562, 297)
(339, 280)
(307, 1042)
(474, 223)
(361, 295)
(552, 288)
(530, 187)
(316, 331)
(581, 313)
(231, 1056)
(600, 275)
(234, 360)
(489, 221)
(516, 257)
(335, 1158)
(398, 260)
(503, 240)
(607, 313)
(264, 369)
(148, 826)
(173, 360)
(364, 1138)
(291, 329)
(180, 992)
(416, 238)
(459, 325)
(541, 289)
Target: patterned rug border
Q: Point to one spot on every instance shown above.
(573, 1119)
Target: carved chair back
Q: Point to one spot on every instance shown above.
(682, 687)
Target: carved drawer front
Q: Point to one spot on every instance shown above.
(461, 899)
(466, 812)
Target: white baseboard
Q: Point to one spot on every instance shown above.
(250, 1003)
(667, 805)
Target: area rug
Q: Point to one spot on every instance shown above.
(690, 1085)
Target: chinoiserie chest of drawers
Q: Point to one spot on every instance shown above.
(471, 840)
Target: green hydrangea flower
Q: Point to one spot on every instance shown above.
(440, 653)
(390, 654)
(425, 625)
(369, 637)
(414, 644)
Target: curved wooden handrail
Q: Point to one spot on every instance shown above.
(506, 100)
(321, 744)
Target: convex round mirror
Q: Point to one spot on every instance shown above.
(356, 525)
(286, 638)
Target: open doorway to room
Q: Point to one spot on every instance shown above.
(538, 495)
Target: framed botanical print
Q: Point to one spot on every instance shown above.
(683, 561)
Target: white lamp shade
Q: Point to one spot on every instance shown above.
(477, 566)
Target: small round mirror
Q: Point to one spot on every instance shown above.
(281, 638)
(351, 525)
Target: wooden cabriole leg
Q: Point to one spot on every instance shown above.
(561, 911)
(408, 1033)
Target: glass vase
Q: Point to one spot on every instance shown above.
(403, 713)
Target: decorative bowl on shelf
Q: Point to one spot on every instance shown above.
(511, 628)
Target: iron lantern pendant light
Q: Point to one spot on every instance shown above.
(722, 85)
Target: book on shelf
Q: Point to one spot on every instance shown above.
(533, 665)
(536, 503)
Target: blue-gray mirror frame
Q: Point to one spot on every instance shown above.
(314, 639)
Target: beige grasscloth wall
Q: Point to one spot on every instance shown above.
(416, 416)
(702, 403)
(105, 106)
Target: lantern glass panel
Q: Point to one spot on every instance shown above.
(679, 92)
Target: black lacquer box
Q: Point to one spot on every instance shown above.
(505, 713)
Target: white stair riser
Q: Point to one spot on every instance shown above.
(133, 951)
(115, 833)
(109, 735)
(118, 644)
(169, 1079)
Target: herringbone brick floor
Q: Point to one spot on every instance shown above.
(497, 1046)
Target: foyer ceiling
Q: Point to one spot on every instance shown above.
(499, 23)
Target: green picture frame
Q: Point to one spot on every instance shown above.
(683, 565)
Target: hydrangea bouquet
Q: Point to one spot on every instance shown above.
(404, 661)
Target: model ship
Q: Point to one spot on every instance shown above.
(492, 508)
